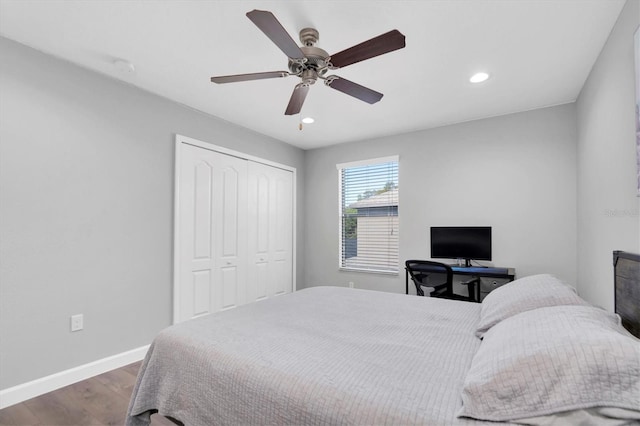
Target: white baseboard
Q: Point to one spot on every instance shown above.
(19, 393)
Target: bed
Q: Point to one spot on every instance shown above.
(333, 355)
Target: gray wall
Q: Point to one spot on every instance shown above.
(607, 203)
(516, 173)
(86, 202)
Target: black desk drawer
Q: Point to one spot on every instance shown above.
(487, 285)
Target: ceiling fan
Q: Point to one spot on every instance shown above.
(311, 63)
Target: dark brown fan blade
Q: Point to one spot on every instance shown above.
(297, 99)
(247, 77)
(385, 43)
(272, 28)
(353, 89)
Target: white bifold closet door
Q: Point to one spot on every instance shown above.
(270, 231)
(213, 242)
(235, 224)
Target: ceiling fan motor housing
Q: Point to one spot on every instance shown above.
(316, 59)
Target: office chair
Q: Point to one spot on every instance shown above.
(437, 278)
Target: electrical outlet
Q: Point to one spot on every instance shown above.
(77, 322)
(351, 285)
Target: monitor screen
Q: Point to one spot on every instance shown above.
(461, 242)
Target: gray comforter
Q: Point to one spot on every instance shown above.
(324, 355)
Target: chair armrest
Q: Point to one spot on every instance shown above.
(471, 286)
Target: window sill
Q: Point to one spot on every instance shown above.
(369, 271)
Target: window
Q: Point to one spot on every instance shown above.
(369, 215)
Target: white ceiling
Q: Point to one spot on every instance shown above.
(538, 52)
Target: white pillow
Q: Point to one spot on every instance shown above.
(524, 294)
(552, 360)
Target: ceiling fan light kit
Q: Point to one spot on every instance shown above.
(311, 63)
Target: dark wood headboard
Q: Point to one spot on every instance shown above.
(627, 289)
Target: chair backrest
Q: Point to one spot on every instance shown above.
(421, 270)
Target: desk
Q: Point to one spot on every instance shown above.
(475, 272)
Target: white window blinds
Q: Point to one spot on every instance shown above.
(369, 215)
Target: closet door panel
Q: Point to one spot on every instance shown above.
(230, 183)
(212, 206)
(230, 215)
(270, 230)
(201, 292)
(262, 213)
(282, 231)
(195, 244)
(260, 284)
(229, 287)
(202, 218)
(258, 232)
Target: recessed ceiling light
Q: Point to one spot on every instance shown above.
(479, 77)
(308, 120)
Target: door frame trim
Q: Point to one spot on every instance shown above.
(180, 141)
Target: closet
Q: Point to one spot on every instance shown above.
(234, 229)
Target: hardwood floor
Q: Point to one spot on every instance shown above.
(100, 400)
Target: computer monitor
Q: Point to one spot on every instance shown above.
(461, 242)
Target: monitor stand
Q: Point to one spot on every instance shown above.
(466, 264)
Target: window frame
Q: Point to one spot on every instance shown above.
(360, 163)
